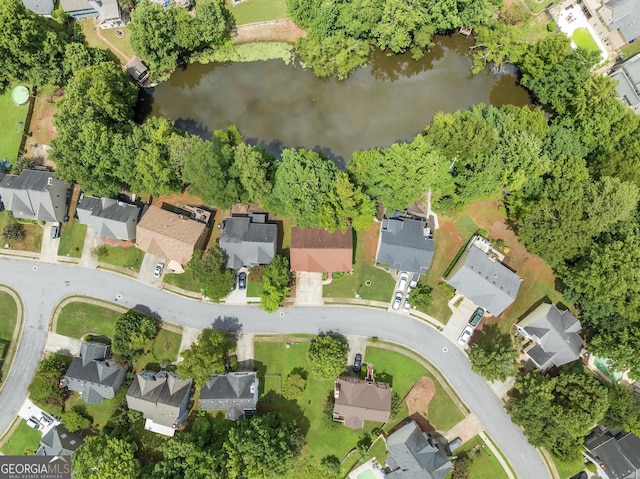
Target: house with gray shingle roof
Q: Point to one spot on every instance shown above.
(482, 278)
(628, 83)
(59, 442)
(248, 241)
(405, 244)
(623, 15)
(40, 7)
(357, 401)
(234, 393)
(554, 334)
(162, 398)
(93, 374)
(35, 195)
(615, 455)
(108, 217)
(415, 455)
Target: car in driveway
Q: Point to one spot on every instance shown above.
(465, 335)
(476, 317)
(580, 475)
(55, 230)
(33, 423)
(242, 280)
(397, 300)
(402, 285)
(357, 363)
(407, 306)
(158, 271)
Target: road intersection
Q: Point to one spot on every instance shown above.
(42, 286)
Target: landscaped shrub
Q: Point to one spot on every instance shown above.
(294, 386)
(13, 232)
(552, 26)
(74, 420)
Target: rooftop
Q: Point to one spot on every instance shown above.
(318, 250)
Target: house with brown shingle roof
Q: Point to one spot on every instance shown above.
(357, 401)
(317, 250)
(170, 235)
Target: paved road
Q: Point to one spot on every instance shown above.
(44, 287)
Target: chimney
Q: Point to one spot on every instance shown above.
(369, 379)
(50, 181)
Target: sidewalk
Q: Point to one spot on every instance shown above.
(91, 241)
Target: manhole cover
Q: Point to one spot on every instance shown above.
(282, 314)
(35, 268)
(445, 349)
(118, 296)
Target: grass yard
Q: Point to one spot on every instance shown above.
(631, 49)
(253, 289)
(99, 413)
(33, 235)
(251, 11)
(568, 468)
(78, 318)
(583, 38)
(11, 125)
(24, 440)
(184, 280)
(537, 6)
(402, 372)
(163, 349)
(91, 39)
(129, 258)
(485, 464)
(72, 239)
(148, 442)
(9, 315)
(323, 437)
(382, 283)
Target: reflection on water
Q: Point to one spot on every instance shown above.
(278, 105)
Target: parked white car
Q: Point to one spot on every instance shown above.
(465, 335)
(397, 300)
(402, 285)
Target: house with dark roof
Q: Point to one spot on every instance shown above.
(553, 334)
(138, 71)
(405, 244)
(234, 393)
(40, 7)
(357, 400)
(169, 234)
(622, 16)
(317, 250)
(248, 241)
(35, 195)
(162, 398)
(94, 374)
(482, 278)
(628, 83)
(106, 13)
(615, 455)
(59, 442)
(108, 217)
(415, 455)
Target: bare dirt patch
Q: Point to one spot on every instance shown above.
(276, 31)
(41, 128)
(420, 396)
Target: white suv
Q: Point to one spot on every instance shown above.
(402, 285)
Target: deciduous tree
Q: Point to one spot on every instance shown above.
(102, 457)
(493, 355)
(328, 356)
(275, 284)
(204, 358)
(131, 333)
(208, 268)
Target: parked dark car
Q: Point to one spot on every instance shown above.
(357, 363)
(55, 230)
(242, 280)
(580, 475)
(477, 317)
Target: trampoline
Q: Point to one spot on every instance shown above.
(20, 95)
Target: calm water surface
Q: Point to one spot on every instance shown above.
(279, 105)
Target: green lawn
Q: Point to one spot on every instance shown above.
(91, 39)
(402, 372)
(583, 38)
(78, 318)
(322, 438)
(485, 464)
(33, 234)
(24, 440)
(251, 11)
(537, 5)
(630, 50)
(72, 239)
(184, 280)
(129, 258)
(11, 125)
(253, 289)
(568, 468)
(382, 283)
(164, 348)
(9, 315)
(99, 413)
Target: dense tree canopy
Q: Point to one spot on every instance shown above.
(204, 358)
(493, 354)
(275, 284)
(104, 457)
(328, 356)
(131, 333)
(208, 268)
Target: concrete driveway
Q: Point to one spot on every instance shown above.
(40, 294)
(147, 269)
(459, 319)
(91, 241)
(49, 248)
(308, 289)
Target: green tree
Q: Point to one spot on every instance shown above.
(74, 420)
(14, 232)
(253, 167)
(328, 356)
(493, 356)
(275, 284)
(421, 297)
(214, 21)
(78, 56)
(264, 446)
(346, 204)
(624, 409)
(102, 457)
(45, 386)
(209, 270)
(131, 333)
(204, 358)
(294, 386)
(462, 467)
(557, 412)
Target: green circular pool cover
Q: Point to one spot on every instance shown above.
(20, 95)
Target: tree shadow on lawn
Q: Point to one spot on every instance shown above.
(272, 401)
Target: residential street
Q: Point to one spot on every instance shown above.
(43, 285)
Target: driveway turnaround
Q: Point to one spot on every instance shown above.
(43, 285)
